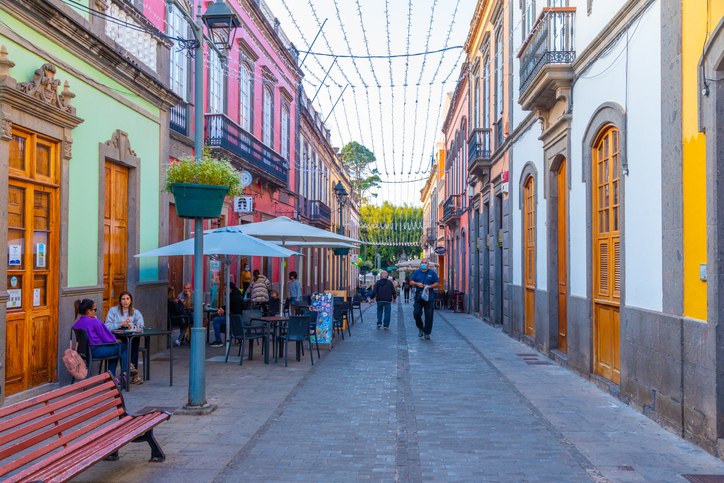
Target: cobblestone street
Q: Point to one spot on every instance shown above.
(467, 405)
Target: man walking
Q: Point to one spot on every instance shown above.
(425, 280)
(384, 293)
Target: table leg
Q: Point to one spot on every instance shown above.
(266, 344)
(129, 341)
(170, 339)
(147, 358)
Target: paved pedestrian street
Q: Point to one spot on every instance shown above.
(470, 404)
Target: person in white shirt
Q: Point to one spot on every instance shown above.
(124, 316)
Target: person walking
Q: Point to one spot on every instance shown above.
(406, 289)
(425, 281)
(384, 293)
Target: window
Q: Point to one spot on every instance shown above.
(267, 132)
(528, 17)
(285, 131)
(315, 196)
(486, 92)
(216, 82)
(499, 73)
(246, 99)
(178, 28)
(476, 108)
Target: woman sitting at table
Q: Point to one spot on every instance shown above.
(236, 306)
(124, 316)
(98, 334)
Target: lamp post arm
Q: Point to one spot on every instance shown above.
(197, 29)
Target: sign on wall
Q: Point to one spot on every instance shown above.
(244, 204)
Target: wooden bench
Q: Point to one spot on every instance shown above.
(58, 435)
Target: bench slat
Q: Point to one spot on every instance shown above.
(70, 462)
(49, 396)
(107, 389)
(56, 429)
(25, 459)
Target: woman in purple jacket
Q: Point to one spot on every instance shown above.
(98, 334)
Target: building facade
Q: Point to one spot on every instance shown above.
(85, 121)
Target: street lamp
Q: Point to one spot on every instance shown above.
(221, 23)
(363, 231)
(341, 195)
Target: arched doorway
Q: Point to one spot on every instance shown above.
(562, 256)
(606, 254)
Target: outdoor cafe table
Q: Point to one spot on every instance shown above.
(269, 322)
(146, 333)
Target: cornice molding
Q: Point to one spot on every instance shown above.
(247, 51)
(60, 24)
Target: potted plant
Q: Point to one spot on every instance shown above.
(341, 251)
(199, 186)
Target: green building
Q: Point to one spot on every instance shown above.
(83, 146)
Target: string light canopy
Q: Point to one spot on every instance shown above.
(221, 22)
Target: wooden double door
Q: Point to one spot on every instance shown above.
(529, 262)
(607, 255)
(115, 234)
(33, 262)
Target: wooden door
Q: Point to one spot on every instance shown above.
(115, 234)
(606, 255)
(529, 234)
(562, 258)
(32, 283)
(175, 264)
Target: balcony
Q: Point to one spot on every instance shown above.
(452, 209)
(319, 213)
(221, 133)
(179, 118)
(431, 236)
(479, 152)
(546, 59)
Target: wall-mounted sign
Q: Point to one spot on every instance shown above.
(14, 254)
(505, 187)
(15, 297)
(440, 250)
(13, 281)
(244, 204)
(36, 297)
(40, 255)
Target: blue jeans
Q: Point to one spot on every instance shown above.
(100, 353)
(386, 308)
(219, 325)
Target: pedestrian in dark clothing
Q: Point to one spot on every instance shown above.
(425, 280)
(385, 293)
(406, 289)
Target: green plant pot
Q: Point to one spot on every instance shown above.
(198, 200)
(340, 251)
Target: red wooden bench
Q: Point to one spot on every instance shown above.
(58, 435)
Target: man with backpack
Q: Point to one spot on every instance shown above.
(384, 292)
(425, 281)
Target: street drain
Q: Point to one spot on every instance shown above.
(704, 478)
(538, 363)
(626, 468)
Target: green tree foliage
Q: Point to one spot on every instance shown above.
(357, 159)
(391, 231)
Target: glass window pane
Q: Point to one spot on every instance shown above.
(42, 160)
(615, 219)
(600, 174)
(615, 166)
(606, 217)
(615, 141)
(605, 147)
(17, 153)
(40, 290)
(16, 207)
(605, 197)
(600, 222)
(615, 192)
(15, 293)
(605, 171)
(600, 197)
(41, 211)
(40, 250)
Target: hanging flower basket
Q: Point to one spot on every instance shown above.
(198, 200)
(341, 251)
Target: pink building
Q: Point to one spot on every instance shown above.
(455, 203)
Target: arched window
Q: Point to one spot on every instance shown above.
(499, 72)
(246, 82)
(285, 131)
(268, 115)
(529, 247)
(607, 215)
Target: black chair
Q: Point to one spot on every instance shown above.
(357, 304)
(181, 322)
(286, 308)
(312, 314)
(346, 310)
(338, 300)
(247, 315)
(338, 319)
(297, 331)
(241, 333)
(84, 350)
(274, 307)
(300, 309)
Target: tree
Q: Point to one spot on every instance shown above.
(392, 230)
(357, 159)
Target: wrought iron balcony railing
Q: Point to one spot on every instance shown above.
(431, 235)
(550, 42)
(452, 208)
(179, 116)
(222, 132)
(320, 212)
(479, 145)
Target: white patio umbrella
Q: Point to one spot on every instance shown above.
(226, 245)
(293, 233)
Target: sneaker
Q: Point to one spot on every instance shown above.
(177, 342)
(216, 344)
(379, 326)
(136, 379)
(387, 327)
(427, 336)
(421, 333)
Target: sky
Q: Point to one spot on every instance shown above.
(392, 106)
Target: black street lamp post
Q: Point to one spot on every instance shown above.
(341, 195)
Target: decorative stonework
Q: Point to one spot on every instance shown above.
(44, 86)
(7, 128)
(135, 40)
(102, 5)
(5, 66)
(119, 140)
(67, 150)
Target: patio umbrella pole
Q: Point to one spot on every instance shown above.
(197, 363)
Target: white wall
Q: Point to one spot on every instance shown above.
(528, 148)
(588, 26)
(606, 82)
